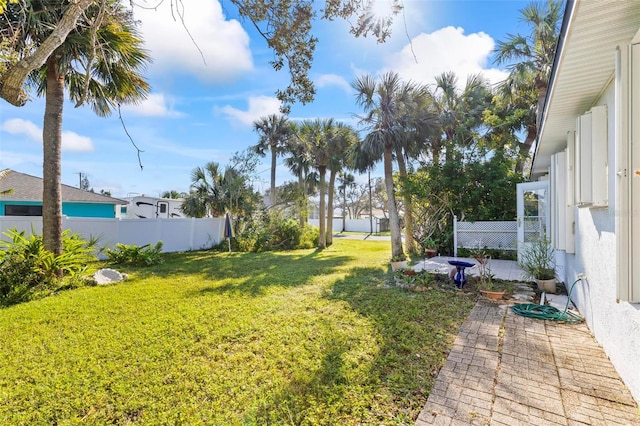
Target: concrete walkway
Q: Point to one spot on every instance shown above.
(505, 369)
(503, 269)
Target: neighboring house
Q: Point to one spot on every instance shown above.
(589, 153)
(26, 199)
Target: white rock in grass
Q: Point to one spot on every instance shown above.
(108, 276)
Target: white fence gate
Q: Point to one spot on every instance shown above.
(176, 234)
(502, 235)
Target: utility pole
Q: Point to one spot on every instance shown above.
(80, 179)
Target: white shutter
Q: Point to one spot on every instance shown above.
(627, 208)
(599, 160)
(570, 213)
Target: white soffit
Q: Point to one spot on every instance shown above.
(585, 66)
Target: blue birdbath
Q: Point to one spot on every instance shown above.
(460, 279)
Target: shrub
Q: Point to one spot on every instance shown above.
(271, 231)
(131, 254)
(27, 269)
(309, 238)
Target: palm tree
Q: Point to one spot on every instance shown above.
(300, 163)
(317, 134)
(534, 54)
(459, 112)
(341, 138)
(386, 103)
(3, 174)
(347, 180)
(275, 131)
(207, 194)
(100, 63)
(173, 194)
(422, 126)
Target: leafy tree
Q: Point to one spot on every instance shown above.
(530, 60)
(480, 188)
(275, 132)
(285, 25)
(84, 182)
(104, 78)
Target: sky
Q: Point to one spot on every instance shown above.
(205, 95)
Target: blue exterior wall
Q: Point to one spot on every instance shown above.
(88, 210)
(71, 209)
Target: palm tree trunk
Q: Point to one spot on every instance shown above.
(409, 242)
(322, 240)
(332, 182)
(394, 221)
(344, 208)
(272, 194)
(301, 204)
(52, 147)
(525, 147)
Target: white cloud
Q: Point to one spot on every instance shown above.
(74, 142)
(447, 49)
(326, 80)
(71, 141)
(18, 126)
(259, 106)
(156, 105)
(224, 44)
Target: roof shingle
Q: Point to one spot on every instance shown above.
(29, 188)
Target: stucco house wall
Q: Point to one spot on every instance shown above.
(596, 254)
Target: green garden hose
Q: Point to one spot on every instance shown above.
(545, 312)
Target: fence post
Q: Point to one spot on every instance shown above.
(455, 236)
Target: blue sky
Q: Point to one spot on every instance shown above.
(199, 112)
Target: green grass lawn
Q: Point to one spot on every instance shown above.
(302, 337)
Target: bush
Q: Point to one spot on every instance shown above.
(131, 254)
(272, 231)
(27, 269)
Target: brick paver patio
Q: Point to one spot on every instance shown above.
(505, 369)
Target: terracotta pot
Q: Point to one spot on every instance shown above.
(547, 285)
(409, 272)
(429, 253)
(492, 294)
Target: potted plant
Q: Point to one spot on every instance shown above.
(398, 262)
(538, 261)
(486, 283)
(430, 248)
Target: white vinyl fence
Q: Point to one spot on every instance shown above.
(501, 235)
(351, 225)
(176, 234)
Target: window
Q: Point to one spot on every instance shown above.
(22, 210)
